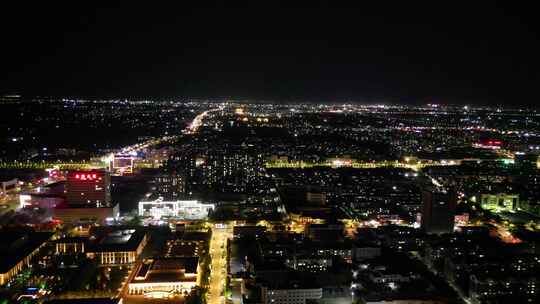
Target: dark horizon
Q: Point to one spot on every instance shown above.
(478, 54)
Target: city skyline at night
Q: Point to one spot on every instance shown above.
(269, 153)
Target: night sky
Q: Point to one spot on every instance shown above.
(456, 52)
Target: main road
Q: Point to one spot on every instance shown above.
(218, 268)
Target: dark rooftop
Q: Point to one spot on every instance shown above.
(15, 245)
(115, 239)
(166, 270)
(288, 280)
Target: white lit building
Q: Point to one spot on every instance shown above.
(165, 277)
(191, 209)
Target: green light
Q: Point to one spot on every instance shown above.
(507, 161)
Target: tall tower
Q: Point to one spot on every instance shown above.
(439, 209)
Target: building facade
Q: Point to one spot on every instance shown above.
(291, 296)
(158, 208)
(439, 208)
(499, 201)
(88, 188)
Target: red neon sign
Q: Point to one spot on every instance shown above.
(86, 176)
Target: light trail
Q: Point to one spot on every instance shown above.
(504, 234)
(197, 122)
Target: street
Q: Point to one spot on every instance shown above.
(218, 275)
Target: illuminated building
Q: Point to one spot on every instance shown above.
(16, 251)
(499, 201)
(116, 246)
(183, 209)
(181, 248)
(85, 214)
(169, 186)
(70, 245)
(88, 188)
(309, 263)
(54, 173)
(236, 167)
(186, 244)
(122, 164)
(289, 292)
(41, 200)
(88, 198)
(489, 144)
(316, 198)
(293, 296)
(461, 219)
(7, 185)
(439, 208)
(165, 276)
(520, 289)
(48, 196)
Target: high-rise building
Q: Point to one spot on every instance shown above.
(88, 188)
(439, 208)
(169, 186)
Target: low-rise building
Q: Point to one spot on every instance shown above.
(41, 200)
(71, 245)
(362, 252)
(165, 275)
(325, 232)
(116, 246)
(8, 185)
(86, 213)
(498, 201)
(248, 231)
(17, 249)
(190, 209)
(292, 294)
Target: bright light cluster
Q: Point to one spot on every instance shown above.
(86, 176)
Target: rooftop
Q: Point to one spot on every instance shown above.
(16, 245)
(288, 280)
(166, 270)
(115, 239)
